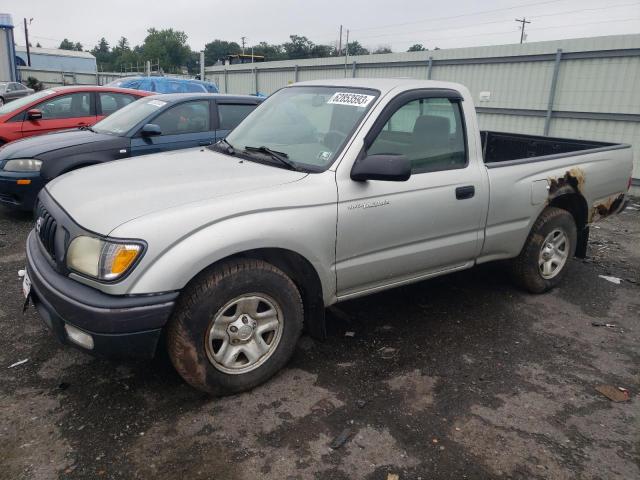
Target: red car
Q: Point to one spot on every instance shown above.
(60, 108)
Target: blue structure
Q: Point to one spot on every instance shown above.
(56, 59)
(8, 71)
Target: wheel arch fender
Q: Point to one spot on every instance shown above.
(567, 198)
(305, 260)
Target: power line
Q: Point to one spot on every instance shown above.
(481, 12)
(535, 29)
(534, 17)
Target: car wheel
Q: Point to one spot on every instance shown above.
(542, 263)
(235, 326)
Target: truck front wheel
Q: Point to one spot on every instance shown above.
(543, 260)
(235, 326)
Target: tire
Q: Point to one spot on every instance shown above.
(245, 296)
(542, 263)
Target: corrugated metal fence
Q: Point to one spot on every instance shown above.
(579, 88)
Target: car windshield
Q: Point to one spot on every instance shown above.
(310, 125)
(122, 121)
(21, 102)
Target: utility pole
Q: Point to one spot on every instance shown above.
(26, 39)
(340, 42)
(244, 39)
(523, 21)
(346, 53)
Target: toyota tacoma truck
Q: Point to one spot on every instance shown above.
(328, 191)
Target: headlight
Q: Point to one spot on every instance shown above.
(102, 259)
(23, 165)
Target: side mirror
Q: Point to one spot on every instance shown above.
(391, 168)
(150, 130)
(34, 114)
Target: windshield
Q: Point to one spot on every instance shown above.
(308, 124)
(122, 121)
(21, 102)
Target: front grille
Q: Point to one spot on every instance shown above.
(46, 227)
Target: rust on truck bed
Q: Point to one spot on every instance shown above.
(573, 179)
(609, 206)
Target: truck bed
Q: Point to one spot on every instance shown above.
(500, 148)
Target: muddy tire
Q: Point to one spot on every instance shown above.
(235, 326)
(542, 263)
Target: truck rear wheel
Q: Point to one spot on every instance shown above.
(235, 327)
(543, 260)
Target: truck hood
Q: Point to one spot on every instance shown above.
(34, 147)
(101, 197)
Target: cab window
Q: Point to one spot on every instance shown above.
(110, 102)
(66, 106)
(189, 117)
(428, 131)
(232, 114)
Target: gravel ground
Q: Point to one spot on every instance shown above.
(461, 377)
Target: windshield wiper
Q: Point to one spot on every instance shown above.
(280, 156)
(87, 127)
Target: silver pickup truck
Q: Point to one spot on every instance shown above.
(328, 191)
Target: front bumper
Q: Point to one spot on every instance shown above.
(121, 326)
(21, 197)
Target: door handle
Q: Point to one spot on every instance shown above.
(202, 143)
(463, 193)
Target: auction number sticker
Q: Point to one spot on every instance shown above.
(353, 99)
(157, 103)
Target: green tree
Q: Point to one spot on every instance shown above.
(269, 51)
(169, 46)
(66, 44)
(298, 47)
(219, 49)
(33, 82)
(416, 48)
(382, 50)
(355, 48)
(321, 51)
(124, 58)
(103, 54)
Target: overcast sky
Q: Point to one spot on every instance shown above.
(394, 23)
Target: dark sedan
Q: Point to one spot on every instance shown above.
(12, 90)
(152, 124)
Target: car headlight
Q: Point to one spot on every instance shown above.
(23, 165)
(102, 259)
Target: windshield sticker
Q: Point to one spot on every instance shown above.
(324, 156)
(352, 99)
(156, 103)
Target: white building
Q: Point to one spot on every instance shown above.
(56, 59)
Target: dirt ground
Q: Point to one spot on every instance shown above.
(461, 377)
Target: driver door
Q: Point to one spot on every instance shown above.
(184, 125)
(394, 232)
(71, 110)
